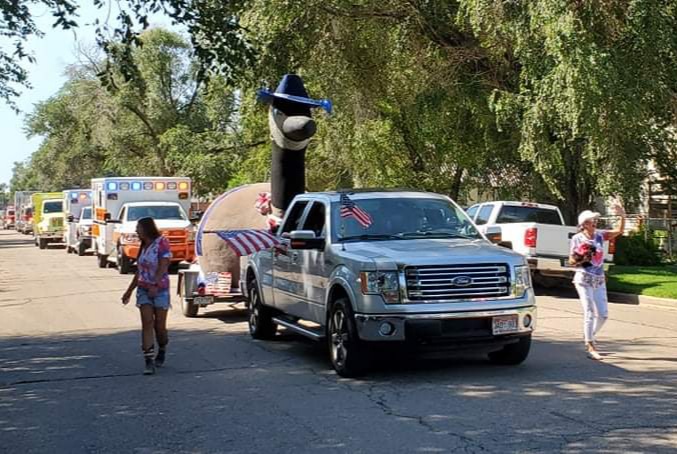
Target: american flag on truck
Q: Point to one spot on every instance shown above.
(248, 241)
(349, 209)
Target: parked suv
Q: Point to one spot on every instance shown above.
(413, 270)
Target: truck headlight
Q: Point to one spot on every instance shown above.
(384, 283)
(191, 235)
(522, 281)
(129, 238)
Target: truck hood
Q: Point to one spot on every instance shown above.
(431, 252)
(162, 224)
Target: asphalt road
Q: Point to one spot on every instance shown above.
(70, 380)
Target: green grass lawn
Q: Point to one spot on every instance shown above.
(659, 281)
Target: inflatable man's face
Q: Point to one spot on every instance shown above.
(291, 124)
(291, 127)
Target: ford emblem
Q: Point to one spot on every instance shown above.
(462, 281)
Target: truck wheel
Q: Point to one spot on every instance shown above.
(124, 263)
(103, 260)
(261, 325)
(188, 308)
(348, 354)
(81, 248)
(512, 354)
(42, 243)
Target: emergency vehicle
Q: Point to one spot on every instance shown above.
(47, 218)
(74, 203)
(118, 203)
(9, 218)
(24, 211)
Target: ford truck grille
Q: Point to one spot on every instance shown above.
(56, 222)
(457, 282)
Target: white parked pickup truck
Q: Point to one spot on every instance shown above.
(535, 230)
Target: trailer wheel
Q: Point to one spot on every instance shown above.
(103, 260)
(42, 243)
(188, 308)
(124, 263)
(81, 248)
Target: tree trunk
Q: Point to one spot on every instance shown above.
(455, 190)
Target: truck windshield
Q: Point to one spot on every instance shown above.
(54, 206)
(167, 212)
(511, 214)
(404, 218)
(86, 213)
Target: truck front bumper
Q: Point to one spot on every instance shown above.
(450, 326)
(51, 236)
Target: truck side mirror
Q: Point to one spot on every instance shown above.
(70, 218)
(305, 240)
(494, 234)
(106, 217)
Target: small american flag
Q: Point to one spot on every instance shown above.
(350, 210)
(246, 242)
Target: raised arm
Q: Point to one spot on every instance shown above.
(618, 210)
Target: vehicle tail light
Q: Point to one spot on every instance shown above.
(531, 237)
(612, 246)
(201, 289)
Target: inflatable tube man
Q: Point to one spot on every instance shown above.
(291, 127)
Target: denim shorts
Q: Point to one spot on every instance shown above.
(160, 301)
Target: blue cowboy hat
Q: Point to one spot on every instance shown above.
(291, 88)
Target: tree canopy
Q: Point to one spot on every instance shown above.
(163, 121)
(558, 100)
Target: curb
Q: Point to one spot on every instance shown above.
(626, 298)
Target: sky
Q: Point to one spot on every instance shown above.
(53, 53)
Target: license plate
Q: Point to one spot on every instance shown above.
(504, 324)
(203, 300)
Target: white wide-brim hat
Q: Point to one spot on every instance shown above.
(587, 215)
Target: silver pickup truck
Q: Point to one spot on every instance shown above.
(413, 271)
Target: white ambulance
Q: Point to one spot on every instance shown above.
(75, 201)
(119, 203)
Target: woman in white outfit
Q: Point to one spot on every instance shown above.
(587, 254)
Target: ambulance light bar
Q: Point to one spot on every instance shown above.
(113, 186)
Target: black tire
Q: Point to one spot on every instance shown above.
(261, 325)
(512, 354)
(188, 308)
(347, 353)
(42, 243)
(68, 249)
(124, 262)
(102, 260)
(82, 248)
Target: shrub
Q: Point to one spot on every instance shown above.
(635, 250)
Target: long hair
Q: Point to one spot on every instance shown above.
(150, 231)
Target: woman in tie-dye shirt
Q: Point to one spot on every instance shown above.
(152, 294)
(587, 254)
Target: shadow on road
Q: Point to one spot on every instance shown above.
(16, 243)
(53, 389)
